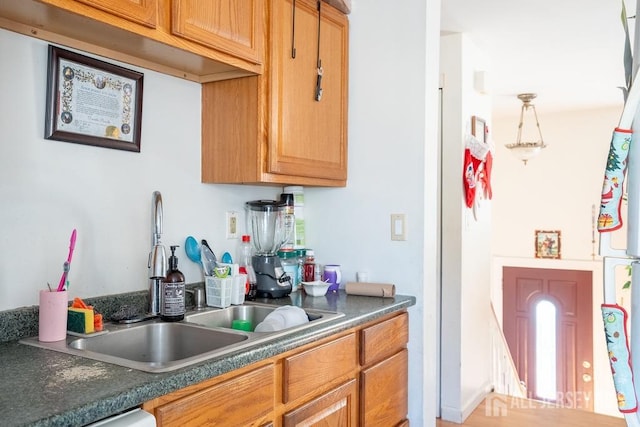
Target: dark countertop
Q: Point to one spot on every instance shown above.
(41, 387)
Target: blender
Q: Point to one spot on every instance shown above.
(267, 219)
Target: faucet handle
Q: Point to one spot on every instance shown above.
(199, 297)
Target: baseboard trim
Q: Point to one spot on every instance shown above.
(459, 415)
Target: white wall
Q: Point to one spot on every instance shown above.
(392, 151)
(556, 191)
(465, 360)
(49, 187)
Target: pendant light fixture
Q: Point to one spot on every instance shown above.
(529, 141)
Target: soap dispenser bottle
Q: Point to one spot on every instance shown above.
(173, 292)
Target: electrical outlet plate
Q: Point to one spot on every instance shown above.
(232, 225)
(398, 227)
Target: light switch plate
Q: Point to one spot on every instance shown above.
(398, 227)
(232, 225)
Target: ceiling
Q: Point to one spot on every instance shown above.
(569, 52)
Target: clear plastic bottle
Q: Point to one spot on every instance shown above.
(244, 260)
(300, 257)
(298, 211)
(309, 268)
(290, 266)
(289, 221)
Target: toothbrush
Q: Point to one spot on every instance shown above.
(67, 264)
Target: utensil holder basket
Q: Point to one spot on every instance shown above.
(218, 291)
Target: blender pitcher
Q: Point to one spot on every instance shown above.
(267, 220)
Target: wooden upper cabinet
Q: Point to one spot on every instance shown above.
(270, 128)
(198, 40)
(233, 26)
(143, 12)
(309, 137)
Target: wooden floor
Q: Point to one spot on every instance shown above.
(502, 411)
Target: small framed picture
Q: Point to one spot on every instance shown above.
(479, 128)
(92, 102)
(547, 244)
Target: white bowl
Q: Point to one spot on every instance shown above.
(316, 288)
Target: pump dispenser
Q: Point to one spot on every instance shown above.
(173, 294)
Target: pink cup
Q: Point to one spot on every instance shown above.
(52, 319)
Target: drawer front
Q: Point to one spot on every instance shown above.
(238, 401)
(383, 392)
(313, 369)
(384, 339)
(337, 407)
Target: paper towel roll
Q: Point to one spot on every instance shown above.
(371, 289)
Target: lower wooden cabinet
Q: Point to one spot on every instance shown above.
(337, 407)
(358, 377)
(384, 358)
(384, 391)
(307, 372)
(241, 401)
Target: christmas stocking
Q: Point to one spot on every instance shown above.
(486, 176)
(474, 155)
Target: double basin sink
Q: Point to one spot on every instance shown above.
(157, 346)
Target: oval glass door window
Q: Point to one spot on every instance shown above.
(546, 318)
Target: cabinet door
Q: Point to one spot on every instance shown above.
(231, 26)
(308, 137)
(307, 372)
(383, 388)
(242, 401)
(143, 12)
(338, 407)
(384, 339)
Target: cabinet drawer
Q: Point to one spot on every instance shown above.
(384, 339)
(238, 401)
(384, 393)
(335, 408)
(313, 369)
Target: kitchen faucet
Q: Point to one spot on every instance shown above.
(157, 257)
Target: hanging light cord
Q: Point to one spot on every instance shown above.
(293, 30)
(318, 60)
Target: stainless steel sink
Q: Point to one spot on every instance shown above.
(156, 346)
(158, 343)
(151, 346)
(254, 313)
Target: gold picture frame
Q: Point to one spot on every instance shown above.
(547, 244)
(479, 128)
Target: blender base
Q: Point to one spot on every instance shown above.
(271, 280)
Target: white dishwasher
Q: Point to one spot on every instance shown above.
(134, 418)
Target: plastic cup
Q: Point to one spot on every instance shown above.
(52, 317)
